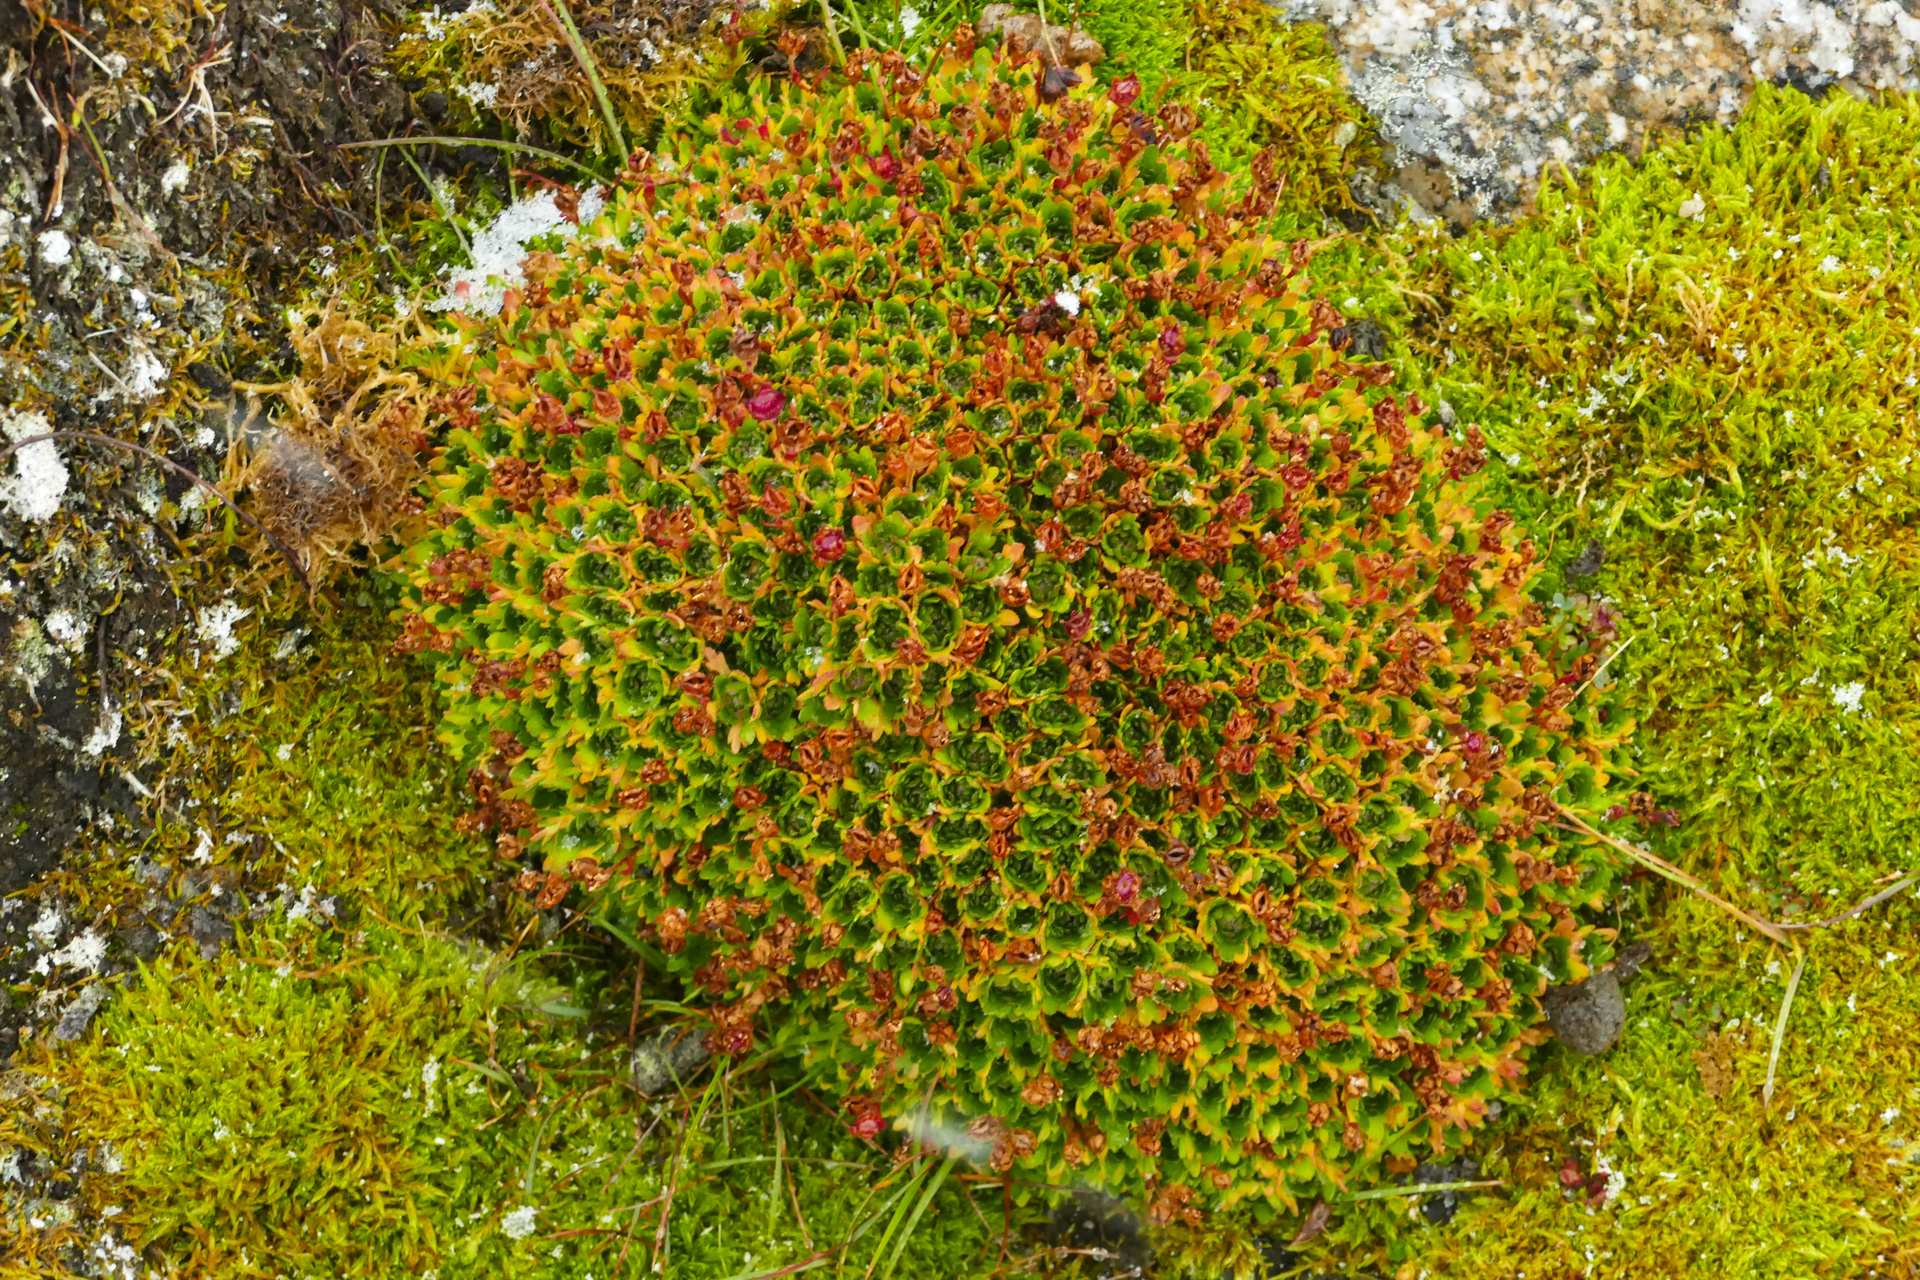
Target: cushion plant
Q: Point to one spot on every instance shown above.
(925, 546)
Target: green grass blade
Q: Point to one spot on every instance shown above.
(587, 64)
(926, 1198)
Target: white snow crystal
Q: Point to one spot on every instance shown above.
(1694, 207)
(175, 178)
(1068, 301)
(518, 1225)
(1847, 696)
(1829, 265)
(40, 477)
(910, 20)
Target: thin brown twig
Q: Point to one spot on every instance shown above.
(286, 553)
(1874, 901)
(633, 1018)
(1662, 867)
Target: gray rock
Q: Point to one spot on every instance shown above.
(1590, 560)
(668, 1058)
(1439, 1207)
(75, 1017)
(1107, 1230)
(142, 941)
(211, 930)
(1587, 1017)
(1360, 339)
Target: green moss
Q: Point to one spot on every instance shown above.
(1722, 394)
(1707, 1181)
(353, 1111)
(1267, 83)
(344, 1091)
(1147, 38)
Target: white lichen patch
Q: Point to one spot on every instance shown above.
(66, 628)
(146, 377)
(56, 247)
(39, 480)
(478, 93)
(174, 180)
(500, 249)
(46, 927)
(85, 952)
(29, 658)
(216, 626)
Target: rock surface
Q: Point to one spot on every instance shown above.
(1478, 99)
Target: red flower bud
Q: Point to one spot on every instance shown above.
(1079, 622)
(867, 1123)
(1126, 886)
(1125, 90)
(885, 167)
(1171, 343)
(766, 403)
(828, 545)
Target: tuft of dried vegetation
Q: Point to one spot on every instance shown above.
(333, 465)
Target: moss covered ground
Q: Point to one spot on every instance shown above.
(1700, 362)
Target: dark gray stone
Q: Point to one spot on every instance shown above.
(78, 1014)
(1589, 561)
(1587, 1017)
(1439, 1207)
(668, 1058)
(210, 930)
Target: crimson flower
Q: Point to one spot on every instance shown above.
(867, 1123)
(1079, 622)
(766, 403)
(885, 167)
(1172, 345)
(829, 544)
(1125, 90)
(1126, 886)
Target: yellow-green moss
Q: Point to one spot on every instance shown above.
(348, 1090)
(511, 61)
(1707, 363)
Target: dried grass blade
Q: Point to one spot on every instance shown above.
(1780, 1030)
(448, 141)
(1662, 867)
